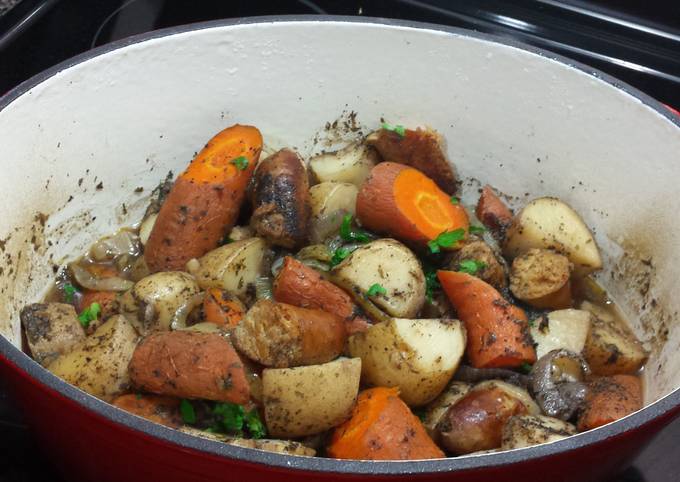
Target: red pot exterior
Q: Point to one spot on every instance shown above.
(86, 446)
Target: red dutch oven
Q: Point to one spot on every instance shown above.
(523, 120)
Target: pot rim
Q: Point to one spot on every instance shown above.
(23, 363)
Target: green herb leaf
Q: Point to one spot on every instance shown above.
(230, 417)
(397, 129)
(228, 240)
(477, 229)
(446, 240)
(376, 289)
(431, 284)
(254, 425)
(138, 396)
(349, 234)
(89, 314)
(525, 367)
(471, 266)
(241, 163)
(338, 255)
(455, 200)
(69, 292)
(186, 409)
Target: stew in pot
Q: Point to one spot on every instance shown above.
(351, 307)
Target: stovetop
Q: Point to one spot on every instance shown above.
(629, 39)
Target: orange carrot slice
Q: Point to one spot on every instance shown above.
(404, 203)
(222, 309)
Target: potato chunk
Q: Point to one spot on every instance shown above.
(52, 329)
(549, 223)
(307, 400)
(351, 164)
(418, 356)
(527, 430)
(561, 329)
(233, 267)
(611, 347)
(98, 365)
(390, 264)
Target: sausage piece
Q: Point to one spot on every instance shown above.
(540, 277)
(493, 212)
(493, 271)
(422, 149)
(188, 364)
(282, 336)
(280, 199)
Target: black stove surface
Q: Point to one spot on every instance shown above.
(636, 41)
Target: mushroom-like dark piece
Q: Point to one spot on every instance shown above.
(556, 381)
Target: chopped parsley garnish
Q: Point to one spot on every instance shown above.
(471, 266)
(241, 163)
(397, 129)
(455, 200)
(352, 234)
(376, 289)
(446, 240)
(338, 255)
(255, 425)
(233, 419)
(227, 240)
(477, 229)
(69, 292)
(431, 284)
(186, 409)
(525, 367)
(89, 314)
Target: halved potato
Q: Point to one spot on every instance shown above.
(233, 267)
(351, 164)
(330, 202)
(99, 363)
(418, 356)
(611, 347)
(567, 329)
(390, 264)
(550, 223)
(306, 400)
(158, 297)
(527, 430)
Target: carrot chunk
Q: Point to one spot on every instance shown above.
(382, 427)
(404, 203)
(498, 332)
(205, 200)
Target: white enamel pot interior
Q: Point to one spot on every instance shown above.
(79, 140)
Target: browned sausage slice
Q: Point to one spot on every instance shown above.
(282, 336)
(281, 201)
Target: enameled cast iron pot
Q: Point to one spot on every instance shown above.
(77, 141)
